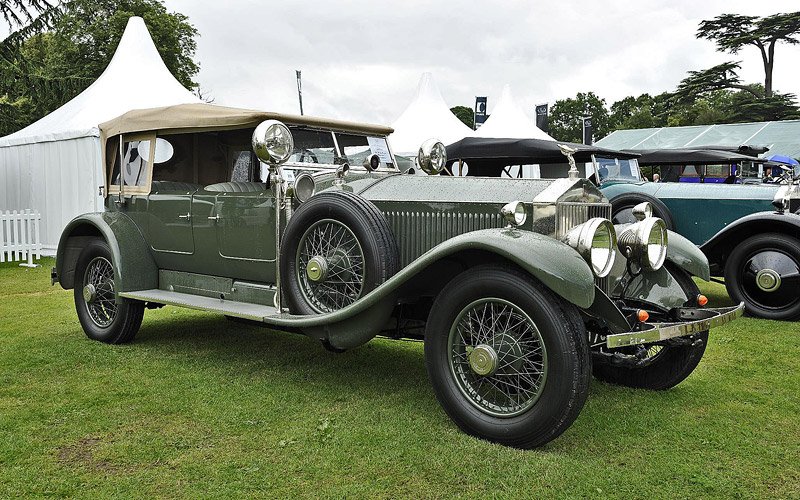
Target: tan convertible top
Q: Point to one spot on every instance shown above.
(200, 117)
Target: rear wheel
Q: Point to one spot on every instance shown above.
(102, 317)
(764, 272)
(505, 357)
(660, 366)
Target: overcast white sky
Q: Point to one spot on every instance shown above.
(362, 59)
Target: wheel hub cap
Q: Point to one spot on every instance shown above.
(89, 293)
(483, 360)
(317, 268)
(768, 280)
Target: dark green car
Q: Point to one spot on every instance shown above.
(520, 289)
(749, 232)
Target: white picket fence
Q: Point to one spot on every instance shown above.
(19, 236)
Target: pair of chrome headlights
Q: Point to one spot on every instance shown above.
(643, 243)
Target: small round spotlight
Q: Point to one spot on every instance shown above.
(514, 213)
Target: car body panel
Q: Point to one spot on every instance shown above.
(699, 211)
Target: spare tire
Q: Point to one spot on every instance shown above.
(622, 206)
(336, 248)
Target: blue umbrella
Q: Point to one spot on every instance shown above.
(783, 159)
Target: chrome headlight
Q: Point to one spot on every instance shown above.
(304, 187)
(643, 210)
(272, 142)
(645, 243)
(432, 156)
(514, 213)
(595, 240)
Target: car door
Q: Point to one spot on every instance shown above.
(245, 232)
(170, 221)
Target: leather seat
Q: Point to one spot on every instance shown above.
(237, 187)
(173, 186)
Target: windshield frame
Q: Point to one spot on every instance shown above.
(633, 162)
(340, 157)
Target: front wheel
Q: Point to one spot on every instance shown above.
(102, 317)
(764, 272)
(660, 367)
(507, 358)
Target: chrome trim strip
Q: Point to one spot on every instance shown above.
(664, 331)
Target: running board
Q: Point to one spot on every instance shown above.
(244, 310)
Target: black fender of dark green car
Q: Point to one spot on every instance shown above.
(134, 267)
(721, 244)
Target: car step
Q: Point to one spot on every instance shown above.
(244, 310)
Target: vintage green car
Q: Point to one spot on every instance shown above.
(750, 233)
(520, 289)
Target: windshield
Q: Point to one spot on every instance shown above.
(358, 149)
(323, 147)
(616, 169)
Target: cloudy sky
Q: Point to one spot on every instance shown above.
(362, 59)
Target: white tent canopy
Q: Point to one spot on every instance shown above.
(428, 116)
(54, 165)
(509, 121)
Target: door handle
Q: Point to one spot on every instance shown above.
(185, 216)
(214, 218)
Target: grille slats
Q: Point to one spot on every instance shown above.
(417, 232)
(570, 214)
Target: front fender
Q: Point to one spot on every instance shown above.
(134, 267)
(720, 245)
(555, 264)
(686, 255)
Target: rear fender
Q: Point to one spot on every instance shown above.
(134, 267)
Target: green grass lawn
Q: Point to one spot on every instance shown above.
(200, 406)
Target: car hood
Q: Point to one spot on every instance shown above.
(447, 189)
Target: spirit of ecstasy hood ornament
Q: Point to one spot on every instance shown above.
(568, 152)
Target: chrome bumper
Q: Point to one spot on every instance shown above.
(653, 332)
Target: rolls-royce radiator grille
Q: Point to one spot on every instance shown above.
(417, 232)
(569, 215)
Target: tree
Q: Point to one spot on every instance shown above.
(17, 12)
(42, 70)
(566, 117)
(733, 32)
(644, 111)
(465, 114)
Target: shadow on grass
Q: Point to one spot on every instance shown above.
(215, 342)
(376, 369)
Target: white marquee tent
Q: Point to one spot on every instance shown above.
(508, 121)
(428, 116)
(54, 165)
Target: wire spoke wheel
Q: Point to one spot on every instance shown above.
(330, 266)
(98, 292)
(497, 357)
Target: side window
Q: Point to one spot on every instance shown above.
(244, 167)
(133, 164)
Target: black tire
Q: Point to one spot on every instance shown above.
(354, 216)
(622, 204)
(777, 252)
(667, 366)
(565, 358)
(101, 317)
